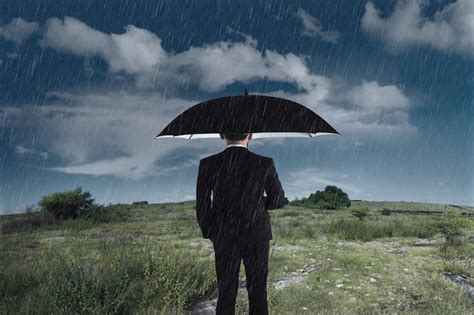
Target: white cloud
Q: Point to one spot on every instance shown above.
(373, 96)
(135, 51)
(313, 28)
(223, 63)
(220, 64)
(451, 28)
(139, 52)
(368, 111)
(18, 30)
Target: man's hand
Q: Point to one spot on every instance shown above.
(203, 199)
(275, 195)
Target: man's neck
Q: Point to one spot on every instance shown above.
(236, 145)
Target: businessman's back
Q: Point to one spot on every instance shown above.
(230, 194)
(232, 212)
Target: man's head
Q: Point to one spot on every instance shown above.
(236, 138)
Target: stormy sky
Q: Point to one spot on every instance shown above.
(85, 86)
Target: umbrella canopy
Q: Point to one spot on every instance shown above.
(263, 116)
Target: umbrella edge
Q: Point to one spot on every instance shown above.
(256, 135)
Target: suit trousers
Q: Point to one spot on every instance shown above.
(228, 255)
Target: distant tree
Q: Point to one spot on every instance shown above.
(331, 198)
(68, 204)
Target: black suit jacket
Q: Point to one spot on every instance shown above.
(230, 202)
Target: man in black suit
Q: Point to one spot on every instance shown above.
(232, 212)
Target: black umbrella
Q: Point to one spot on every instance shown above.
(263, 116)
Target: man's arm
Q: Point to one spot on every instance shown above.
(203, 198)
(275, 195)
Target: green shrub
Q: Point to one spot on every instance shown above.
(175, 280)
(68, 204)
(386, 211)
(331, 198)
(450, 227)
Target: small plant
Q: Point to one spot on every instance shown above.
(386, 211)
(450, 227)
(360, 213)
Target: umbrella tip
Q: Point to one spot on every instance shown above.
(246, 92)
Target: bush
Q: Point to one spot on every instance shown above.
(68, 204)
(331, 198)
(386, 211)
(450, 227)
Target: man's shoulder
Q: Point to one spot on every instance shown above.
(261, 158)
(210, 158)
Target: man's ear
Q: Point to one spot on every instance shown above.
(250, 136)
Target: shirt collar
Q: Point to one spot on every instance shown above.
(236, 145)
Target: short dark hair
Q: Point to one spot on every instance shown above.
(235, 136)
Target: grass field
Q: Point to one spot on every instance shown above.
(151, 259)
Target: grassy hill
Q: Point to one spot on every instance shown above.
(147, 259)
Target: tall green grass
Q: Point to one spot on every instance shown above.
(352, 229)
(121, 280)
